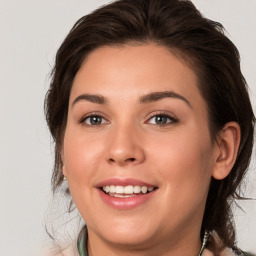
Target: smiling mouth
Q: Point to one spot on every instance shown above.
(126, 191)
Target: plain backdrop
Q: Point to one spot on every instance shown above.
(30, 33)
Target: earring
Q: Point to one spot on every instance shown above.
(64, 178)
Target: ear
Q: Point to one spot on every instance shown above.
(64, 172)
(227, 144)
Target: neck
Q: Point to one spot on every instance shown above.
(188, 245)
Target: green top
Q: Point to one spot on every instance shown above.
(83, 238)
(82, 242)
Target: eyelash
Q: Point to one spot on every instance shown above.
(155, 115)
(171, 121)
(93, 115)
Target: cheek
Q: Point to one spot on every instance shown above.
(185, 162)
(185, 170)
(81, 155)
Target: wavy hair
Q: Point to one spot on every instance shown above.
(202, 44)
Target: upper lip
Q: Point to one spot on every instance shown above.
(123, 182)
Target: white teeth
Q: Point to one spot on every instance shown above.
(112, 189)
(144, 190)
(128, 189)
(122, 195)
(136, 189)
(121, 191)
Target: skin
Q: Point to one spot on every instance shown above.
(180, 157)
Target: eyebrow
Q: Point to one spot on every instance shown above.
(156, 96)
(93, 98)
(151, 97)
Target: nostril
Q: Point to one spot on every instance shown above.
(132, 159)
(125, 160)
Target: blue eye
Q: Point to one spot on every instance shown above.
(94, 120)
(162, 120)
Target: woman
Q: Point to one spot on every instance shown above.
(153, 129)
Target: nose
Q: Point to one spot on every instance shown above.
(125, 147)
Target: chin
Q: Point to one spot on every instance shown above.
(135, 239)
(133, 234)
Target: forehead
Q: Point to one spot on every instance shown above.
(134, 70)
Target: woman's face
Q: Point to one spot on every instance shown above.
(136, 123)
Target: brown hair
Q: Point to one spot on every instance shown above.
(200, 42)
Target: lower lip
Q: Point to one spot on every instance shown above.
(126, 203)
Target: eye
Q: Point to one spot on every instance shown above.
(162, 119)
(94, 120)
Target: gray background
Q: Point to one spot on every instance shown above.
(30, 33)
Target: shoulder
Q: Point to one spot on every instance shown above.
(228, 252)
(234, 251)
